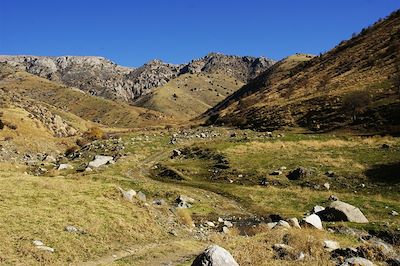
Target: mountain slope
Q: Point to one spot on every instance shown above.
(190, 95)
(29, 90)
(356, 84)
(101, 77)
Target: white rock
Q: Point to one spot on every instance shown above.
(357, 261)
(225, 230)
(210, 224)
(294, 222)
(317, 209)
(327, 186)
(100, 160)
(228, 224)
(271, 225)
(220, 220)
(64, 166)
(45, 248)
(215, 256)
(282, 224)
(38, 243)
(313, 220)
(331, 245)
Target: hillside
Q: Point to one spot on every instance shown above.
(355, 85)
(101, 77)
(190, 95)
(29, 92)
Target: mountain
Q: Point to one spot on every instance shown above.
(355, 85)
(202, 83)
(64, 109)
(101, 77)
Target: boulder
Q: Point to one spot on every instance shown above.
(298, 173)
(357, 261)
(100, 160)
(331, 245)
(313, 220)
(215, 256)
(342, 211)
(141, 196)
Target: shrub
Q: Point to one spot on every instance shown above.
(94, 133)
(355, 103)
(184, 217)
(1, 125)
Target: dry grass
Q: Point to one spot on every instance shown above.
(184, 216)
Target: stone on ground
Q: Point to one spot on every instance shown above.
(342, 211)
(100, 160)
(357, 261)
(215, 256)
(314, 221)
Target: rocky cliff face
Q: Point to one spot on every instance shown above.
(242, 68)
(99, 76)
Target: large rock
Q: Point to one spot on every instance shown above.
(298, 173)
(100, 160)
(357, 261)
(184, 202)
(313, 220)
(342, 211)
(215, 256)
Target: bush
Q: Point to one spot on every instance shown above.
(184, 217)
(355, 103)
(1, 125)
(94, 133)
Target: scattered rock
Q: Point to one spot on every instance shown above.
(342, 211)
(225, 230)
(175, 153)
(327, 186)
(100, 160)
(271, 225)
(159, 202)
(141, 196)
(64, 166)
(184, 202)
(298, 173)
(71, 229)
(215, 256)
(128, 195)
(228, 224)
(282, 224)
(40, 245)
(330, 174)
(357, 261)
(294, 222)
(317, 208)
(331, 245)
(394, 213)
(333, 198)
(210, 224)
(314, 221)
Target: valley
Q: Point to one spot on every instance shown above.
(238, 159)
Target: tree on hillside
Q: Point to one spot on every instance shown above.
(355, 103)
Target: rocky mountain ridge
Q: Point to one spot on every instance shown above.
(100, 76)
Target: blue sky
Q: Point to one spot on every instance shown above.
(133, 32)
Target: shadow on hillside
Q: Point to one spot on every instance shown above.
(384, 173)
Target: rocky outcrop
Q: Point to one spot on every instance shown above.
(242, 68)
(100, 76)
